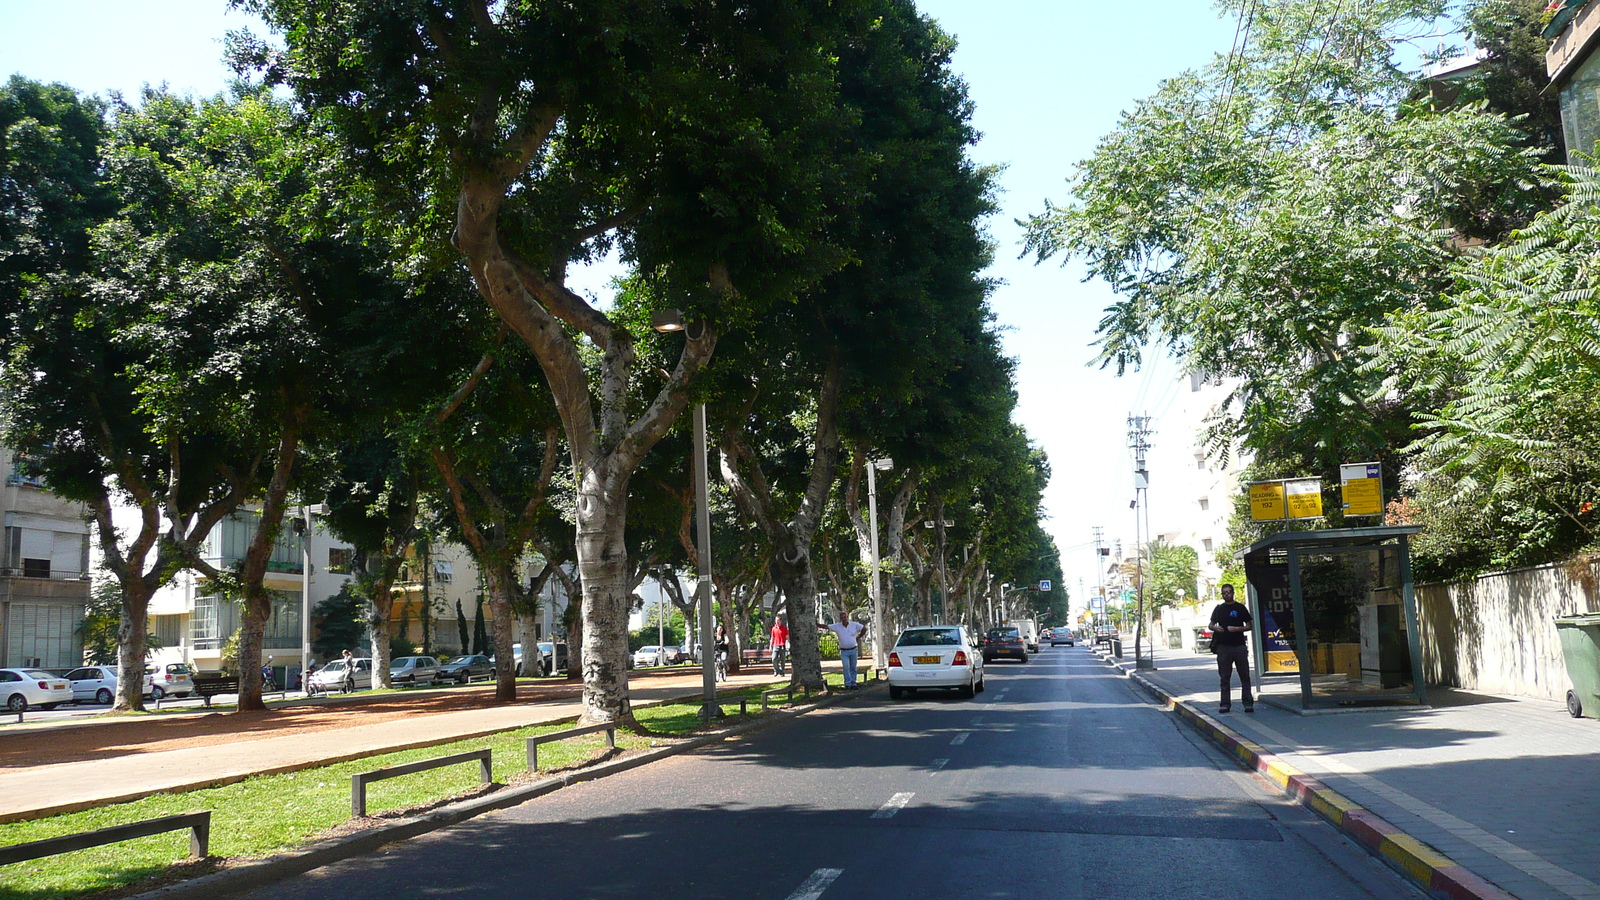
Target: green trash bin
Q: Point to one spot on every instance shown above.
(1580, 647)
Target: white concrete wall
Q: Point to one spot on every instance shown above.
(1495, 633)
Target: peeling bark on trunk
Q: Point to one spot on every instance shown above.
(603, 565)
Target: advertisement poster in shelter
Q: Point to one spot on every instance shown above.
(1274, 613)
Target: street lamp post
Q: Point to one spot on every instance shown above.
(879, 639)
(672, 320)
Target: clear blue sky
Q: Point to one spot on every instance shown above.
(1049, 77)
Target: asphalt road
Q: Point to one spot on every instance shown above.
(1059, 781)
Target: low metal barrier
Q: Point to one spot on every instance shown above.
(199, 824)
(360, 780)
(610, 728)
(787, 692)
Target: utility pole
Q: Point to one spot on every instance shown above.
(1139, 443)
(1100, 553)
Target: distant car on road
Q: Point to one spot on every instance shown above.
(935, 656)
(414, 670)
(463, 669)
(1005, 641)
(21, 688)
(1060, 636)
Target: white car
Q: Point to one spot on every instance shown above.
(935, 656)
(21, 688)
(652, 656)
(331, 676)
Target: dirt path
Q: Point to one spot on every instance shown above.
(155, 733)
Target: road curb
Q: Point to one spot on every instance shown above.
(249, 876)
(1419, 861)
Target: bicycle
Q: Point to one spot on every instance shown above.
(722, 665)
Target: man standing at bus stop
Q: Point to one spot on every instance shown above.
(1230, 621)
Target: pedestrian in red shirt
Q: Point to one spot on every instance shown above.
(780, 645)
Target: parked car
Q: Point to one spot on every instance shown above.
(462, 669)
(176, 679)
(331, 676)
(1005, 641)
(552, 657)
(1060, 636)
(414, 670)
(652, 655)
(935, 656)
(21, 688)
(96, 684)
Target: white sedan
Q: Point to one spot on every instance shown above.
(935, 656)
(21, 688)
(331, 676)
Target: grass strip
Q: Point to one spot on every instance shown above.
(270, 814)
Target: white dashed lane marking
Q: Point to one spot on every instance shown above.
(937, 765)
(959, 739)
(894, 805)
(812, 887)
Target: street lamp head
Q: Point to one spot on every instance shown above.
(883, 465)
(667, 320)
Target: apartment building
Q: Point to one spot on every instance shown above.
(44, 565)
(1192, 490)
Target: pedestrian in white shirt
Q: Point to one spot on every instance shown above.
(849, 649)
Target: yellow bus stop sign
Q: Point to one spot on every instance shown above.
(1266, 501)
(1361, 489)
(1303, 496)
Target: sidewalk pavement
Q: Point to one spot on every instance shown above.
(36, 791)
(1506, 787)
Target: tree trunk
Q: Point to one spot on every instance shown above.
(500, 582)
(132, 632)
(603, 567)
(791, 568)
(382, 605)
(252, 635)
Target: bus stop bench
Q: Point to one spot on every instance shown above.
(206, 688)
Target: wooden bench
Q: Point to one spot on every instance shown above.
(755, 656)
(206, 688)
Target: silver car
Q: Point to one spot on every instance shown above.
(414, 670)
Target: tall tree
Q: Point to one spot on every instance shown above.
(694, 136)
(1256, 216)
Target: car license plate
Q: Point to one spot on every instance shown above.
(925, 660)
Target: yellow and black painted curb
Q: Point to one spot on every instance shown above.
(1420, 862)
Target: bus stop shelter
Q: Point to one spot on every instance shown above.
(1337, 610)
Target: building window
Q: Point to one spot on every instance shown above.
(36, 568)
(339, 560)
(1200, 461)
(1205, 503)
(1196, 379)
(443, 572)
(1207, 544)
(205, 629)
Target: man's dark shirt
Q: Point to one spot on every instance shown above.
(1229, 614)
